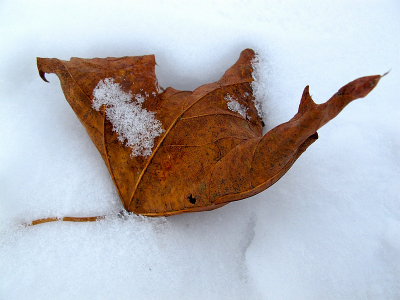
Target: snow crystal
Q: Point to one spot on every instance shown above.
(134, 125)
(235, 106)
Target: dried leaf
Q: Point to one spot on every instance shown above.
(209, 149)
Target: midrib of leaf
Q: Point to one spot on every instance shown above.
(169, 129)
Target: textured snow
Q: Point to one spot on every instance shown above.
(259, 91)
(235, 106)
(329, 229)
(134, 125)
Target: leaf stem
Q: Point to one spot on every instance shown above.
(66, 219)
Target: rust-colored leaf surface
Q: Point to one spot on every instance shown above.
(209, 148)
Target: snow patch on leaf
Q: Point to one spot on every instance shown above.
(257, 86)
(235, 106)
(135, 126)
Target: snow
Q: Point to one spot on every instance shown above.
(259, 90)
(133, 123)
(329, 229)
(235, 106)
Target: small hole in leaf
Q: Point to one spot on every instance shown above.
(192, 199)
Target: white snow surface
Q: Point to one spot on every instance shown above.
(134, 125)
(329, 229)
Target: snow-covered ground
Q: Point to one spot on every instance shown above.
(329, 229)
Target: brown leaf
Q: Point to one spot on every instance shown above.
(211, 150)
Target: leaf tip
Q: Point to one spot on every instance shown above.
(306, 101)
(360, 87)
(42, 75)
(386, 73)
(41, 72)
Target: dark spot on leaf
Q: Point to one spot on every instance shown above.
(192, 199)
